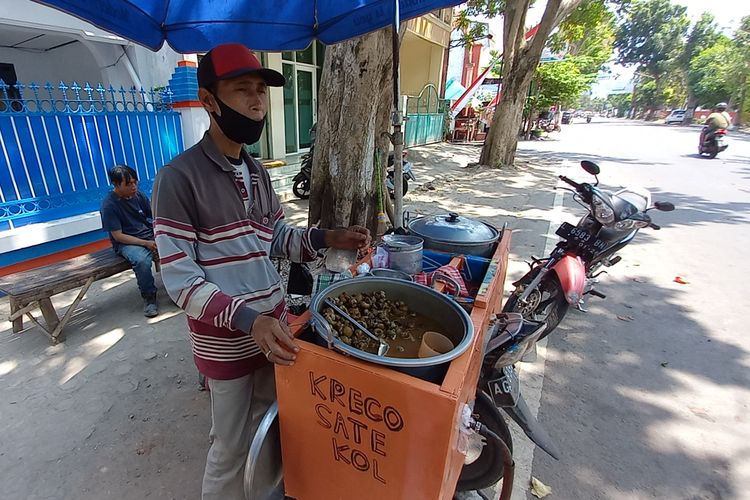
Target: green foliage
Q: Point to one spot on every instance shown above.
(715, 73)
(704, 33)
(471, 30)
(588, 32)
(652, 33)
(587, 38)
(621, 102)
(560, 82)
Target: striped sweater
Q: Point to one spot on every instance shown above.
(215, 254)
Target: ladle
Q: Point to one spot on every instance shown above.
(382, 346)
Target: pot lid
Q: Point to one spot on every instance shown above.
(453, 228)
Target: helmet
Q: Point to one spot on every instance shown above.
(722, 106)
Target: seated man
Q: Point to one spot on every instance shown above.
(126, 215)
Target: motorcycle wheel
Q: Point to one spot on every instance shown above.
(391, 191)
(547, 303)
(487, 468)
(713, 152)
(301, 188)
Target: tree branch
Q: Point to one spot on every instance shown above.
(554, 14)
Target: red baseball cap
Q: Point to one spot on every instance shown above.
(231, 60)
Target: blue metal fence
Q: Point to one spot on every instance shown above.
(425, 117)
(57, 143)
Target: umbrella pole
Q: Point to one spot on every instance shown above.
(397, 120)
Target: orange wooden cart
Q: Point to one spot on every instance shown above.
(355, 430)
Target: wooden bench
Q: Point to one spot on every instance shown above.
(33, 289)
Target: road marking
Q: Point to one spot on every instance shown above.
(532, 381)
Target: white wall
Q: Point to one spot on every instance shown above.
(154, 68)
(33, 15)
(455, 59)
(54, 66)
(95, 57)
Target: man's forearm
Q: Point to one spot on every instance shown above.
(126, 239)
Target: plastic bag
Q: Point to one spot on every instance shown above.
(380, 258)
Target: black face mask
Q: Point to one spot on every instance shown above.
(236, 126)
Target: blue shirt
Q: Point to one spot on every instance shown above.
(119, 214)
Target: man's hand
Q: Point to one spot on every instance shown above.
(275, 340)
(352, 238)
(150, 244)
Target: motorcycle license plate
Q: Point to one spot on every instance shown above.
(720, 142)
(505, 389)
(581, 237)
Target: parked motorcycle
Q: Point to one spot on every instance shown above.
(509, 338)
(301, 187)
(568, 274)
(407, 174)
(712, 142)
(302, 181)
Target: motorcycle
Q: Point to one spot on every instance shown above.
(302, 181)
(406, 172)
(712, 142)
(569, 273)
(498, 388)
(588, 118)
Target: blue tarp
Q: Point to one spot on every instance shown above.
(271, 25)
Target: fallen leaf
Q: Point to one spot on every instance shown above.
(625, 318)
(681, 280)
(701, 413)
(539, 489)
(664, 363)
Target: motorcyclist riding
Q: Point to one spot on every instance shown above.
(719, 119)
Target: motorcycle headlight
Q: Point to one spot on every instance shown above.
(628, 224)
(603, 212)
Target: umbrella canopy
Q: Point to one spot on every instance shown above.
(271, 25)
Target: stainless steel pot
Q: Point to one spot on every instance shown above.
(456, 323)
(455, 234)
(404, 252)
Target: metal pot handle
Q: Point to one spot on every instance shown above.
(405, 219)
(438, 276)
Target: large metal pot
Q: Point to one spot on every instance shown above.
(456, 234)
(422, 300)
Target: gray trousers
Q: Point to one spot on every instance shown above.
(236, 409)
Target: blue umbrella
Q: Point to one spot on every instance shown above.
(270, 25)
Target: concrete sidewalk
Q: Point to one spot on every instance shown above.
(114, 412)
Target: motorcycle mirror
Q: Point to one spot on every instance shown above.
(664, 206)
(590, 167)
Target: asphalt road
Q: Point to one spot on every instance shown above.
(647, 393)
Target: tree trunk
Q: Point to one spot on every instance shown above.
(355, 102)
(501, 143)
(520, 60)
(743, 94)
(690, 108)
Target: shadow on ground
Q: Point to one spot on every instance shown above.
(111, 413)
(654, 382)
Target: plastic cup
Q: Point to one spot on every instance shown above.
(434, 344)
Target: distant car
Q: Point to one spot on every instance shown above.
(567, 116)
(675, 116)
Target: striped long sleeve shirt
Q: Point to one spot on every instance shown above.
(215, 254)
